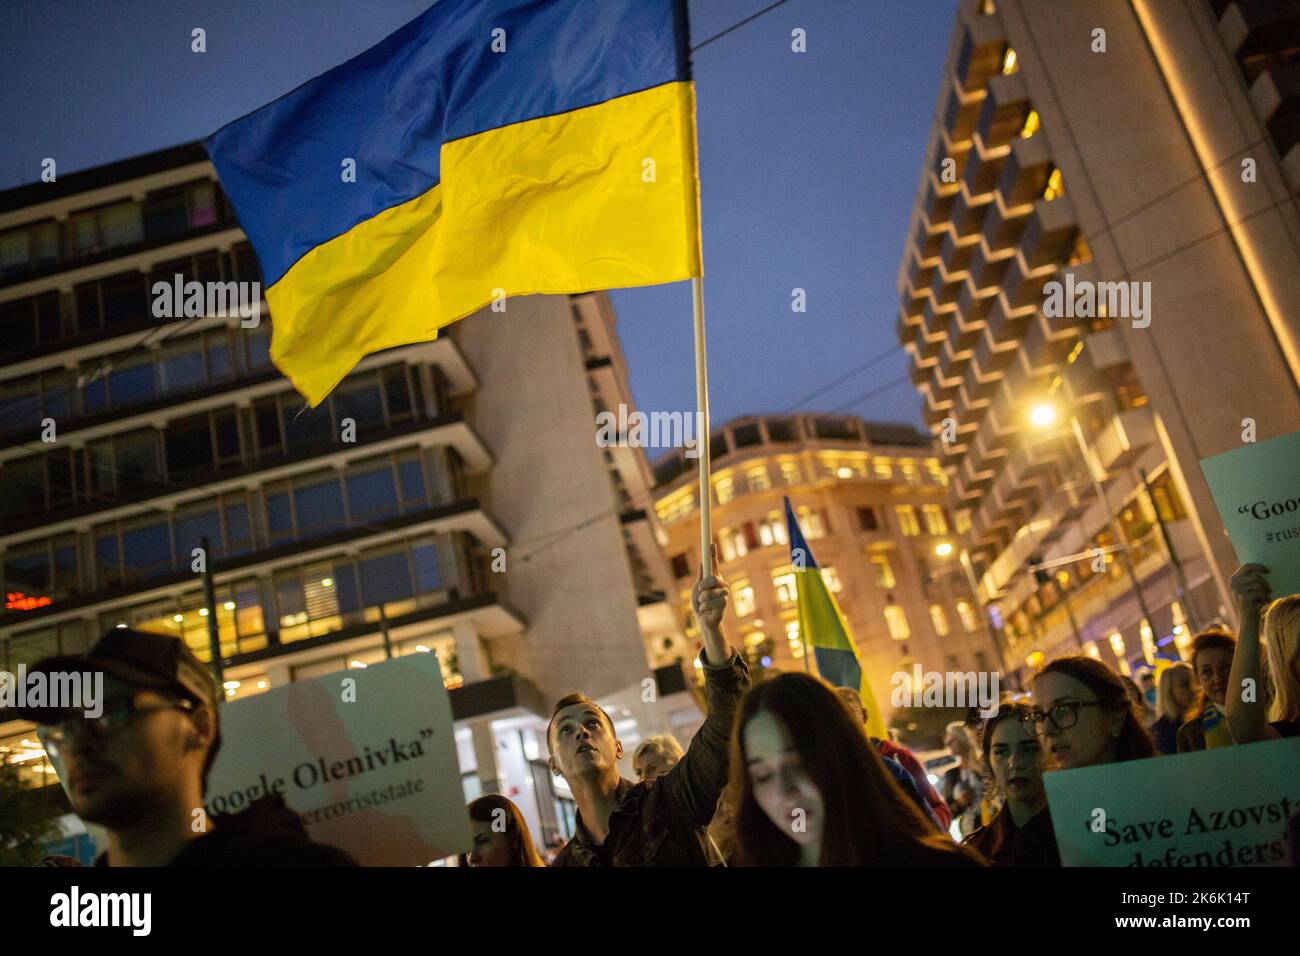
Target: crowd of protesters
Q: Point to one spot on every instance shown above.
(781, 773)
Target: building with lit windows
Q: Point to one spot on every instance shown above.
(1148, 153)
(871, 499)
(431, 503)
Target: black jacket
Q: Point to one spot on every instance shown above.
(267, 833)
(657, 824)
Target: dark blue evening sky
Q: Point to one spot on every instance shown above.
(808, 162)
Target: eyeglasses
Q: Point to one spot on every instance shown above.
(1064, 715)
(115, 717)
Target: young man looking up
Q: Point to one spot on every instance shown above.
(621, 823)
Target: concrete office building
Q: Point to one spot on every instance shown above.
(871, 499)
(467, 510)
(1146, 152)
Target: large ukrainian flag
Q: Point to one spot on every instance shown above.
(823, 628)
(527, 146)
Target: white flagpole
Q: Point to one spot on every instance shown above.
(702, 402)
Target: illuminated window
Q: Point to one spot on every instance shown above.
(744, 598)
(758, 480)
(832, 579)
(1009, 62)
(883, 468)
(783, 581)
(987, 8)
(1031, 125)
(939, 619)
(907, 520)
(897, 622)
(732, 543)
(725, 489)
(675, 508)
(790, 472)
(1054, 186)
(910, 474)
(934, 520)
(961, 522)
(772, 529)
(1079, 252)
(967, 615)
(884, 570)
(792, 637)
(812, 522)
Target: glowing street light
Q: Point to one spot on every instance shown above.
(1042, 415)
(943, 549)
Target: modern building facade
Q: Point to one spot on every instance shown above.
(447, 497)
(1106, 226)
(872, 502)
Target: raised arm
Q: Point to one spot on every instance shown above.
(699, 778)
(1247, 720)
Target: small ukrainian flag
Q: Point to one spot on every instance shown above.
(823, 628)
(487, 148)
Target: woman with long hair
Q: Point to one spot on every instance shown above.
(1174, 699)
(501, 836)
(1248, 720)
(1021, 833)
(1086, 716)
(811, 790)
(1207, 727)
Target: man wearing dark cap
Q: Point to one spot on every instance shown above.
(140, 767)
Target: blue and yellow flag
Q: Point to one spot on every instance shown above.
(823, 628)
(487, 148)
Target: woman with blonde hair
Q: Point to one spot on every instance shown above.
(1248, 721)
(1174, 699)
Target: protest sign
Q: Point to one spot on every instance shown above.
(1258, 496)
(367, 758)
(1226, 807)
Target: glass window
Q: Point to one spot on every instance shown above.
(181, 365)
(725, 489)
(372, 493)
(125, 298)
(266, 418)
(413, 493)
(812, 521)
(896, 620)
(120, 224)
(217, 343)
(106, 556)
(279, 520)
(385, 578)
(146, 549)
(306, 427)
(883, 468)
(164, 212)
(744, 598)
(194, 524)
(318, 504)
(137, 456)
(203, 206)
(258, 345)
(867, 519)
(758, 480)
(939, 619)
(239, 534)
(935, 522)
(225, 426)
(397, 392)
(783, 582)
(832, 579)
(361, 402)
(884, 570)
(967, 615)
(427, 574)
(27, 571)
(291, 604)
(907, 520)
(189, 445)
(790, 472)
(131, 380)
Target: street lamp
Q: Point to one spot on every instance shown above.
(1044, 414)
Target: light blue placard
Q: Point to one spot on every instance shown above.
(1257, 490)
(1225, 807)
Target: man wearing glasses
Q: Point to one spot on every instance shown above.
(140, 768)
